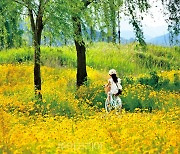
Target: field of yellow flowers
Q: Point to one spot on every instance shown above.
(71, 121)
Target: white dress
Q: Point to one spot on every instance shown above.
(115, 86)
(114, 89)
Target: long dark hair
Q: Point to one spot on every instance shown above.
(114, 77)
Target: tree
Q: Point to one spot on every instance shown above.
(80, 45)
(110, 21)
(109, 10)
(134, 9)
(81, 49)
(10, 32)
(172, 13)
(35, 10)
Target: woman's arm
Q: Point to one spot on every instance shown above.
(107, 87)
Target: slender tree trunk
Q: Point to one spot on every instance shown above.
(1, 32)
(50, 39)
(114, 33)
(14, 32)
(9, 35)
(45, 40)
(92, 35)
(37, 73)
(65, 41)
(113, 22)
(108, 39)
(37, 31)
(2, 39)
(81, 55)
(102, 36)
(119, 29)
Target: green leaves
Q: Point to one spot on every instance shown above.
(95, 15)
(10, 32)
(135, 8)
(172, 13)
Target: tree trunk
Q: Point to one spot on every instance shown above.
(1, 32)
(65, 41)
(9, 35)
(114, 33)
(102, 36)
(119, 29)
(1, 39)
(113, 21)
(92, 35)
(81, 55)
(37, 31)
(45, 40)
(81, 63)
(50, 39)
(37, 73)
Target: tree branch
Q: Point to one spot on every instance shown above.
(39, 22)
(19, 2)
(26, 5)
(87, 2)
(32, 20)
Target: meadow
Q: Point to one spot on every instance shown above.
(74, 121)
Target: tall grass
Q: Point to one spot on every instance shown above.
(126, 59)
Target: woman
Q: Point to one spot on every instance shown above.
(114, 88)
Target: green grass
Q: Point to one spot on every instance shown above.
(126, 59)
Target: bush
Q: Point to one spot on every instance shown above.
(152, 80)
(158, 82)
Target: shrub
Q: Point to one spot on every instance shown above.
(152, 80)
